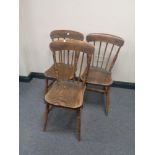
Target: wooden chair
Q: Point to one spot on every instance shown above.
(68, 93)
(61, 35)
(107, 48)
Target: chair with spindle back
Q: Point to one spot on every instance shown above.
(67, 92)
(107, 48)
(61, 35)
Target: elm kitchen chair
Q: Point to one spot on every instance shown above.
(107, 48)
(68, 93)
(61, 35)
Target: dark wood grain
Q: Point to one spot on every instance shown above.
(65, 71)
(69, 93)
(75, 45)
(105, 38)
(62, 35)
(66, 34)
(101, 74)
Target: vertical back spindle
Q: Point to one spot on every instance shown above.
(105, 49)
(109, 56)
(114, 60)
(93, 59)
(81, 65)
(98, 53)
(89, 57)
(68, 57)
(55, 65)
(75, 63)
(60, 56)
(72, 57)
(64, 55)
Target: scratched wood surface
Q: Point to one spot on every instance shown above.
(107, 48)
(69, 92)
(63, 56)
(66, 34)
(65, 71)
(66, 94)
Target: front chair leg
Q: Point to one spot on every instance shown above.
(46, 116)
(78, 123)
(107, 100)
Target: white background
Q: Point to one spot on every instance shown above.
(39, 17)
(145, 75)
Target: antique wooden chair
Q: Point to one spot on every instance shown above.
(107, 48)
(61, 35)
(66, 92)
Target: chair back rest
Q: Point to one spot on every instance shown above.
(66, 34)
(107, 48)
(74, 53)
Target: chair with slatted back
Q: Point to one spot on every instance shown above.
(61, 35)
(67, 92)
(107, 48)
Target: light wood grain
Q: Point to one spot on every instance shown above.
(66, 34)
(98, 76)
(65, 72)
(66, 94)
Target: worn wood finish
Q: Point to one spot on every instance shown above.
(68, 93)
(107, 52)
(105, 38)
(98, 77)
(105, 49)
(95, 89)
(46, 86)
(66, 72)
(66, 34)
(62, 35)
(75, 45)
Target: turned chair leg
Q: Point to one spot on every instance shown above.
(78, 124)
(46, 116)
(107, 100)
(46, 85)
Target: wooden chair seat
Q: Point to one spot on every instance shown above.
(65, 71)
(66, 94)
(98, 76)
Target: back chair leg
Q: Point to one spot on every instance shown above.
(46, 116)
(85, 97)
(78, 124)
(46, 85)
(107, 100)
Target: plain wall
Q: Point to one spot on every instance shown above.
(39, 17)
